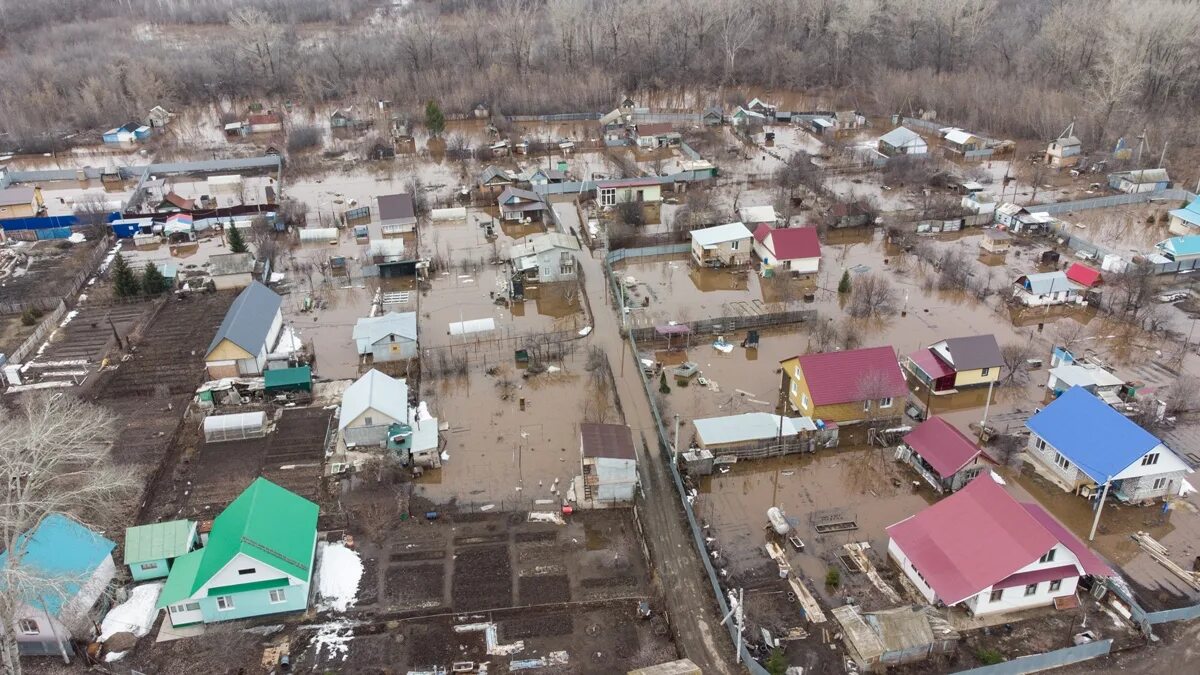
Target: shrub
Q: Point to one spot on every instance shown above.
(662, 384)
(303, 138)
(833, 578)
(988, 656)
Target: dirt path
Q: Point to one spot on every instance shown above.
(689, 596)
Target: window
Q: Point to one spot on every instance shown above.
(277, 596)
(996, 595)
(146, 567)
(734, 245)
(1150, 459)
(984, 372)
(186, 607)
(1049, 557)
(1039, 444)
(804, 401)
(367, 421)
(1055, 585)
(224, 602)
(1061, 461)
(794, 388)
(866, 406)
(1159, 483)
(248, 570)
(885, 402)
(28, 626)
(566, 269)
(1031, 589)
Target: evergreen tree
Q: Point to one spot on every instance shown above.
(434, 119)
(777, 663)
(153, 281)
(237, 243)
(662, 384)
(125, 283)
(844, 284)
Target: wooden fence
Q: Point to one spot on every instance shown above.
(48, 324)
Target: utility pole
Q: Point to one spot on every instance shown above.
(675, 452)
(1099, 508)
(987, 404)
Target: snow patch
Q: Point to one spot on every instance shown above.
(135, 615)
(335, 638)
(546, 517)
(339, 571)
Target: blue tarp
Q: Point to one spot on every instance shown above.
(1096, 438)
(44, 222)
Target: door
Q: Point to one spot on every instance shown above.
(185, 613)
(641, 195)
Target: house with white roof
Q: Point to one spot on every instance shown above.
(722, 246)
(387, 337)
(752, 216)
(1088, 376)
(545, 258)
(747, 432)
(902, 141)
(982, 550)
(375, 412)
(1046, 288)
(964, 143)
(1082, 444)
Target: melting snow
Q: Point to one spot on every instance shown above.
(135, 615)
(339, 572)
(334, 637)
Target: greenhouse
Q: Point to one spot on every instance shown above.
(219, 428)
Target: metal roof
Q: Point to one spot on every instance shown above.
(158, 541)
(60, 556)
(369, 330)
(942, 445)
(714, 236)
(1073, 374)
(1189, 213)
(959, 137)
(1181, 246)
(748, 427)
(973, 352)
(1145, 176)
(249, 319)
(374, 391)
(540, 243)
(230, 263)
(839, 377)
(19, 194)
(1100, 441)
(793, 243)
(396, 207)
(1044, 283)
(472, 326)
(901, 137)
(614, 441)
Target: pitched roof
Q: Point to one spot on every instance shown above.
(510, 192)
(17, 194)
(720, 234)
(1100, 441)
(492, 172)
(266, 522)
(613, 441)
(1044, 283)
(761, 232)
(757, 214)
(60, 556)
(230, 263)
(942, 445)
(932, 365)
(839, 377)
(902, 137)
(654, 129)
(249, 319)
(158, 541)
(959, 136)
(794, 243)
(1180, 246)
(182, 579)
(374, 391)
(540, 243)
(179, 201)
(1189, 213)
(1145, 176)
(396, 207)
(1091, 563)
(749, 427)
(369, 330)
(973, 352)
(970, 540)
(1083, 275)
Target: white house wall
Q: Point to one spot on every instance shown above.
(358, 432)
(228, 575)
(906, 566)
(804, 265)
(1071, 476)
(1014, 598)
(1167, 463)
(616, 479)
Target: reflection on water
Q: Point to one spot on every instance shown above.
(709, 279)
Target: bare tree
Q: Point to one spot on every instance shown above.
(92, 211)
(54, 454)
(872, 296)
(1016, 357)
(737, 25)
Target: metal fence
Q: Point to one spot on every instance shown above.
(620, 254)
(560, 117)
(1039, 662)
(1109, 201)
(731, 324)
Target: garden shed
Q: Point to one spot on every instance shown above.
(236, 427)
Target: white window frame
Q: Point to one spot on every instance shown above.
(795, 388)
(734, 244)
(225, 603)
(867, 406)
(996, 595)
(1048, 557)
(1150, 459)
(1159, 483)
(804, 401)
(271, 596)
(1039, 444)
(29, 627)
(147, 567)
(886, 402)
(1062, 462)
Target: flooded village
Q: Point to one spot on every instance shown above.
(747, 381)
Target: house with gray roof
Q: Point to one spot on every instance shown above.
(517, 204)
(231, 271)
(388, 337)
(1046, 288)
(902, 141)
(494, 179)
(247, 334)
(545, 258)
(397, 213)
(375, 412)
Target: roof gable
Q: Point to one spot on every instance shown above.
(720, 234)
(1095, 437)
(1083, 275)
(248, 321)
(973, 352)
(902, 137)
(971, 540)
(374, 391)
(840, 377)
(942, 445)
(268, 523)
(795, 243)
(372, 329)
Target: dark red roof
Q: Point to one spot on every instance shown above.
(181, 202)
(761, 232)
(1037, 576)
(265, 118)
(607, 440)
(931, 364)
(1083, 275)
(942, 445)
(839, 377)
(793, 243)
(654, 129)
(1092, 564)
(971, 540)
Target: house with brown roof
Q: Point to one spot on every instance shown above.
(846, 387)
(942, 454)
(983, 550)
(950, 365)
(174, 203)
(608, 465)
(853, 214)
(655, 135)
(265, 123)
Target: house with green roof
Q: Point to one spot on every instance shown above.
(151, 549)
(258, 560)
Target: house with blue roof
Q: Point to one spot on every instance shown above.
(1082, 443)
(1046, 288)
(62, 570)
(1180, 249)
(1186, 220)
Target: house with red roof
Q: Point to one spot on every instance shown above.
(793, 249)
(942, 454)
(845, 387)
(1088, 277)
(955, 363)
(984, 551)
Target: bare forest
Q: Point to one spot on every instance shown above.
(1018, 68)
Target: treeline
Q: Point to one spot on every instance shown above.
(1020, 68)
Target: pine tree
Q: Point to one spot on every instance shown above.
(434, 119)
(662, 384)
(153, 281)
(844, 284)
(237, 243)
(125, 283)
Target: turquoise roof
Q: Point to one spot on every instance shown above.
(60, 551)
(1189, 213)
(1181, 246)
(158, 541)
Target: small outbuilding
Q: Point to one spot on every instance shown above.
(231, 270)
(397, 213)
(902, 141)
(1045, 288)
(235, 427)
(151, 549)
(995, 242)
(942, 454)
(608, 464)
(1141, 180)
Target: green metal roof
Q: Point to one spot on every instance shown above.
(157, 541)
(181, 580)
(268, 523)
(287, 377)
